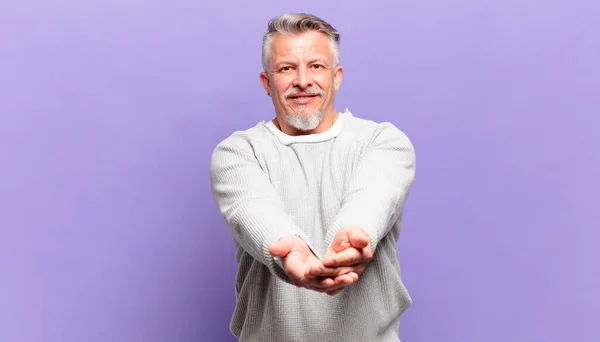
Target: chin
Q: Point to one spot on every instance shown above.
(305, 121)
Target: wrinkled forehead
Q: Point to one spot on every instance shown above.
(301, 47)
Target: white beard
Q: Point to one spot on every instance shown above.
(304, 122)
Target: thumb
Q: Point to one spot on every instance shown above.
(359, 239)
(280, 248)
(340, 242)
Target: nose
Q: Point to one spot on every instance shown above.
(303, 78)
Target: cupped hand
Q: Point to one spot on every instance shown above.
(298, 260)
(349, 253)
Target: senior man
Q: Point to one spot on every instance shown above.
(314, 201)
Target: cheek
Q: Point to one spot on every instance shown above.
(282, 84)
(324, 82)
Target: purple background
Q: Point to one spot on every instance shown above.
(110, 111)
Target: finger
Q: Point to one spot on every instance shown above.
(317, 289)
(334, 292)
(340, 242)
(335, 288)
(345, 279)
(330, 271)
(347, 257)
(314, 272)
(360, 269)
(328, 287)
(358, 238)
(321, 283)
(280, 248)
(342, 282)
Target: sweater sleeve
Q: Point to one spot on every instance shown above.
(248, 201)
(379, 186)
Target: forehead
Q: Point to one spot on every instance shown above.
(309, 44)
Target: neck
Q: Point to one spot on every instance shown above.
(326, 123)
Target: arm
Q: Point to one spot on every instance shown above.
(380, 184)
(248, 201)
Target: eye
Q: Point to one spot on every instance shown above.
(285, 68)
(317, 66)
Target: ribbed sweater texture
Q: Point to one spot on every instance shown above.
(267, 185)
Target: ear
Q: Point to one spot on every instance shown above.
(337, 77)
(266, 83)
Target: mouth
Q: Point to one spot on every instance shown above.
(302, 98)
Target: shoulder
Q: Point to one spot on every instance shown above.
(240, 146)
(373, 133)
(245, 140)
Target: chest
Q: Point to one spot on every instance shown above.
(310, 176)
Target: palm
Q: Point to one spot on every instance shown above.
(300, 260)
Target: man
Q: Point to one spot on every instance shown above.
(314, 201)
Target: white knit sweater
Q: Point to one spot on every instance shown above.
(268, 184)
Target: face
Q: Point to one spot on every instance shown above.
(302, 79)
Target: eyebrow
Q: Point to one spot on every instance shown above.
(286, 61)
(310, 61)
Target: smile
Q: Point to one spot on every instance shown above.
(303, 98)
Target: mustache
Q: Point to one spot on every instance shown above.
(293, 92)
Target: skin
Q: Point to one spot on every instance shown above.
(299, 64)
(303, 65)
(344, 262)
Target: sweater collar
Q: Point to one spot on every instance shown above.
(331, 133)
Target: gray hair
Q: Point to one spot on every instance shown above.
(295, 23)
